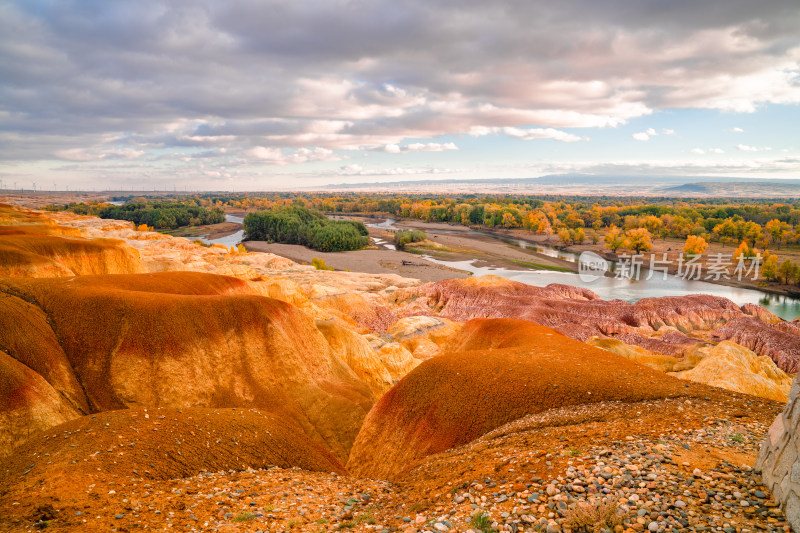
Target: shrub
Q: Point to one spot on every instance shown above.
(587, 517)
(319, 264)
(403, 237)
(244, 516)
(481, 522)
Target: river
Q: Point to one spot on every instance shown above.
(612, 288)
(230, 240)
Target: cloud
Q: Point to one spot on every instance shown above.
(358, 170)
(80, 79)
(701, 151)
(737, 130)
(746, 148)
(417, 147)
(277, 157)
(82, 154)
(526, 134)
(667, 131)
(646, 134)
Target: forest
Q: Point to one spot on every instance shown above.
(159, 215)
(308, 227)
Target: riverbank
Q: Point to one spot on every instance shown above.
(209, 231)
(370, 261)
(457, 243)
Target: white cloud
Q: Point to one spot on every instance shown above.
(702, 151)
(527, 134)
(737, 130)
(746, 148)
(667, 131)
(358, 170)
(646, 134)
(277, 157)
(418, 147)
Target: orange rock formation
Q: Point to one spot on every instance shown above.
(452, 399)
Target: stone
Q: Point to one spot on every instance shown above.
(778, 459)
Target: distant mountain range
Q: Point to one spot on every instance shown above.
(584, 184)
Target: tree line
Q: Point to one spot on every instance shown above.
(307, 227)
(156, 214)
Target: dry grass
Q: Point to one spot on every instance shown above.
(587, 517)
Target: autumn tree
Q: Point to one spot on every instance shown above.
(744, 252)
(638, 240)
(788, 272)
(578, 235)
(614, 239)
(725, 232)
(694, 246)
(778, 231)
(770, 267)
(565, 236)
(509, 220)
(653, 224)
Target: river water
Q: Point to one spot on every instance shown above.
(612, 288)
(230, 240)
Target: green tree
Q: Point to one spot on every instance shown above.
(788, 272)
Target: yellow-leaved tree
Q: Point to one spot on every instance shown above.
(694, 246)
(614, 239)
(638, 240)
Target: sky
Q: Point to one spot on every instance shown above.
(266, 95)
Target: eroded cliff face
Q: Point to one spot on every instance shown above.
(726, 365)
(36, 252)
(28, 404)
(779, 342)
(733, 367)
(184, 339)
(454, 398)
